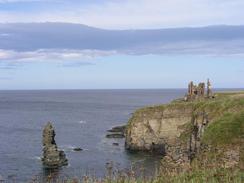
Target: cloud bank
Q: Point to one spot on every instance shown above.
(63, 41)
(52, 55)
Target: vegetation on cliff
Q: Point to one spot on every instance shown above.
(225, 112)
(196, 175)
(225, 130)
(221, 140)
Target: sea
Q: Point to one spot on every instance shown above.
(81, 119)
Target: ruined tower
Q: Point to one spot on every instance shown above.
(201, 90)
(198, 91)
(209, 90)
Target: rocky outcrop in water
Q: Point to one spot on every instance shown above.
(52, 156)
(116, 132)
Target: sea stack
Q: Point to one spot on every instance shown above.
(52, 156)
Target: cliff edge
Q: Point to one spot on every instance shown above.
(186, 131)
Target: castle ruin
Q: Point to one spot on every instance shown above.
(199, 91)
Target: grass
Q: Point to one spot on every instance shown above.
(226, 130)
(223, 102)
(196, 175)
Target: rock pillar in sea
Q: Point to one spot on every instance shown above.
(52, 156)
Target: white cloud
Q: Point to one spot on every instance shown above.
(87, 56)
(139, 13)
(4, 34)
(14, 1)
(52, 55)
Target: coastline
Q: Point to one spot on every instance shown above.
(83, 154)
(191, 133)
(217, 157)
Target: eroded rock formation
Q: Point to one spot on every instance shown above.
(157, 126)
(52, 156)
(173, 131)
(116, 132)
(199, 123)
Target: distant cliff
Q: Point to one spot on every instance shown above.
(184, 131)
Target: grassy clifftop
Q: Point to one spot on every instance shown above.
(225, 112)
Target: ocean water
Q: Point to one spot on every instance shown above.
(81, 119)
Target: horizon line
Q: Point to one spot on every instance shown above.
(110, 29)
(227, 88)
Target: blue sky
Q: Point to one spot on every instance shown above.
(121, 71)
(30, 59)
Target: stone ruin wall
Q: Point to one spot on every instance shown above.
(199, 91)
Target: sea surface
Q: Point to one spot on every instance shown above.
(81, 119)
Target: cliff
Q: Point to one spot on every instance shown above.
(186, 131)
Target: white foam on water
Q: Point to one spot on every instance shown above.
(82, 122)
(36, 158)
(67, 147)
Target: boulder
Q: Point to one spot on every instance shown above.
(116, 132)
(52, 156)
(77, 149)
(115, 135)
(116, 129)
(1, 179)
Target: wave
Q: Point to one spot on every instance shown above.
(67, 147)
(36, 158)
(82, 122)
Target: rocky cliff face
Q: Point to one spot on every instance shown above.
(199, 122)
(156, 126)
(52, 157)
(173, 130)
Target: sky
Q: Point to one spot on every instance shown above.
(114, 44)
(126, 14)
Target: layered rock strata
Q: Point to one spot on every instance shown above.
(155, 126)
(172, 130)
